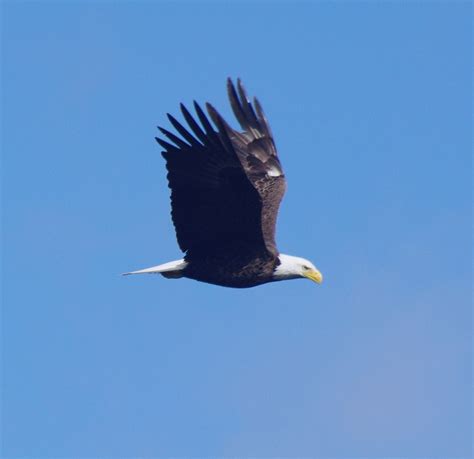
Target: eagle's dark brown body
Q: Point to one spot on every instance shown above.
(238, 270)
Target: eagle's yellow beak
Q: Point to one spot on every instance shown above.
(314, 275)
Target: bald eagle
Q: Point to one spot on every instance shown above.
(226, 187)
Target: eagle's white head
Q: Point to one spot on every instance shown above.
(295, 267)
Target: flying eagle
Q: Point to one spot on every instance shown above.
(226, 187)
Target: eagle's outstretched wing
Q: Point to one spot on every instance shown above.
(226, 185)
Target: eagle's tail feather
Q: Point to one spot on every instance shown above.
(172, 269)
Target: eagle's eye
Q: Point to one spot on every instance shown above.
(306, 267)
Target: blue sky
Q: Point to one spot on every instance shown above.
(371, 110)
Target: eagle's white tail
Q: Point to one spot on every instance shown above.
(172, 269)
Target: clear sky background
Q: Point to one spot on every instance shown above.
(370, 104)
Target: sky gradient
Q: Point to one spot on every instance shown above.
(370, 105)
